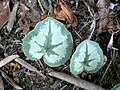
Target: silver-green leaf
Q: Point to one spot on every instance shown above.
(116, 87)
(87, 57)
(51, 40)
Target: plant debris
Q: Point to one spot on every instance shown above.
(98, 20)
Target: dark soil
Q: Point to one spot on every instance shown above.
(25, 22)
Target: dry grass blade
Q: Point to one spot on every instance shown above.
(110, 44)
(7, 60)
(11, 81)
(1, 84)
(28, 66)
(78, 82)
(12, 17)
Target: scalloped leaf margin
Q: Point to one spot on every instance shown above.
(116, 87)
(87, 57)
(49, 39)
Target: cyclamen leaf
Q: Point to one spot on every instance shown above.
(116, 87)
(50, 40)
(87, 57)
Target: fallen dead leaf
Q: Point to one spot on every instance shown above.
(67, 11)
(75, 22)
(13, 66)
(4, 13)
(63, 13)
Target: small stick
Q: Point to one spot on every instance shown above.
(78, 35)
(12, 17)
(78, 82)
(41, 6)
(113, 58)
(28, 66)
(7, 60)
(106, 70)
(93, 25)
(92, 28)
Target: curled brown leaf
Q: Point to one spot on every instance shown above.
(63, 13)
(67, 11)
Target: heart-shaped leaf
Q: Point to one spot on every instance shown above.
(116, 87)
(87, 57)
(50, 40)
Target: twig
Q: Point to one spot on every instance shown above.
(85, 24)
(78, 35)
(50, 6)
(12, 17)
(93, 25)
(40, 4)
(113, 58)
(28, 66)
(7, 60)
(63, 88)
(89, 9)
(106, 70)
(78, 82)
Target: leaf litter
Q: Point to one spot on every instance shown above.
(76, 16)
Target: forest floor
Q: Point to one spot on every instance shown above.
(17, 18)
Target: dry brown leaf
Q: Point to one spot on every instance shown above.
(4, 12)
(75, 22)
(16, 68)
(61, 16)
(67, 11)
(13, 66)
(63, 13)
